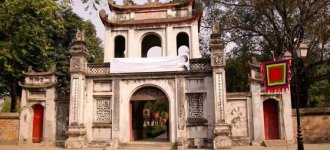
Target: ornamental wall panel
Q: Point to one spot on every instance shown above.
(219, 98)
(237, 114)
(75, 97)
(102, 109)
(195, 105)
(181, 108)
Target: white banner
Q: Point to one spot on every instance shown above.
(151, 64)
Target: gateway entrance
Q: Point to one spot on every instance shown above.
(149, 115)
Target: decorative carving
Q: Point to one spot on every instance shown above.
(129, 2)
(219, 98)
(181, 110)
(103, 109)
(80, 35)
(153, 1)
(237, 115)
(216, 27)
(116, 104)
(218, 59)
(75, 64)
(30, 69)
(74, 101)
(200, 64)
(195, 105)
(99, 70)
(149, 93)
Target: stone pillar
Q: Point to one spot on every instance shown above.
(108, 46)
(78, 69)
(181, 128)
(194, 42)
(132, 50)
(221, 130)
(170, 43)
(255, 90)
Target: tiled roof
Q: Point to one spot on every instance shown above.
(148, 6)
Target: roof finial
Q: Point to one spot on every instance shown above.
(153, 1)
(216, 27)
(128, 2)
(80, 35)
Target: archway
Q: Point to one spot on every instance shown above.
(271, 119)
(182, 39)
(120, 46)
(149, 115)
(38, 122)
(150, 41)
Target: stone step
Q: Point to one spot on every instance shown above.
(274, 143)
(146, 145)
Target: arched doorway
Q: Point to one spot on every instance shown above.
(182, 40)
(149, 115)
(152, 42)
(38, 122)
(120, 46)
(271, 119)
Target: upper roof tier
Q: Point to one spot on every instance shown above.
(150, 14)
(129, 5)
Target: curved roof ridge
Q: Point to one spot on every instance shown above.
(148, 6)
(151, 22)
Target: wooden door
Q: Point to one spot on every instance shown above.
(271, 119)
(38, 119)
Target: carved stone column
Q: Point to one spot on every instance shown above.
(78, 69)
(221, 130)
(182, 144)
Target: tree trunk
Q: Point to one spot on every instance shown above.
(13, 95)
(302, 85)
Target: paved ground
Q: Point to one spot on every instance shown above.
(325, 146)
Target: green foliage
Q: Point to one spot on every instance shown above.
(6, 106)
(318, 93)
(61, 55)
(236, 68)
(25, 29)
(95, 51)
(262, 27)
(38, 33)
(90, 4)
(157, 106)
(154, 131)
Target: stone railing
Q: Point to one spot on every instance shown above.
(200, 64)
(98, 69)
(197, 64)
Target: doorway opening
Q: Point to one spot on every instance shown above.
(38, 122)
(149, 115)
(271, 119)
(151, 46)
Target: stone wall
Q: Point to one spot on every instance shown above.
(315, 123)
(9, 128)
